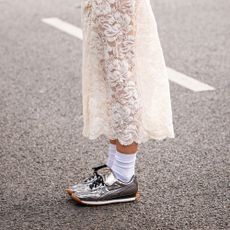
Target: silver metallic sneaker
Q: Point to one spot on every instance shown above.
(106, 189)
(86, 182)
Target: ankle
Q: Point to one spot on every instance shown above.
(111, 154)
(127, 149)
(124, 166)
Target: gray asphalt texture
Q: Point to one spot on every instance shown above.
(184, 182)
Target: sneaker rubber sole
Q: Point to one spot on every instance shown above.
(103, 202)
(69, 191)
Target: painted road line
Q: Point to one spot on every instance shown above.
(187, 82)
(174, 76)
(64, 26)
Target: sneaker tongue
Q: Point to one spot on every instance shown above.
(110, 179)
(108, 176)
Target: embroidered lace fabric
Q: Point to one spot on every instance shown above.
(114, 88)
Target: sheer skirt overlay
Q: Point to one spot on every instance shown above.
(124, 80)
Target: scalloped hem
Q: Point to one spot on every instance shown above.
(122, 142)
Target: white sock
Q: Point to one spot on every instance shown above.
(124, 166)
(111, 154)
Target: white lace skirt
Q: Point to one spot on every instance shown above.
(125, 87)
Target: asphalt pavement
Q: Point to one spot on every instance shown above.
(184, 182)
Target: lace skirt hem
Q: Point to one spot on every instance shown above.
(140, 140)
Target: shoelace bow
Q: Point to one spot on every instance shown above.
(99, 181)
(91, 177)
(95, 174)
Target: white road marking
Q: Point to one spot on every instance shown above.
(64, 26)
(187, 82)
(174, 76)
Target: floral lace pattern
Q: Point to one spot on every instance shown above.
(115, 24)
(109, 34)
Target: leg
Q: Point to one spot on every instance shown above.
(123, 165)
(113, 142)
(127, 149)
